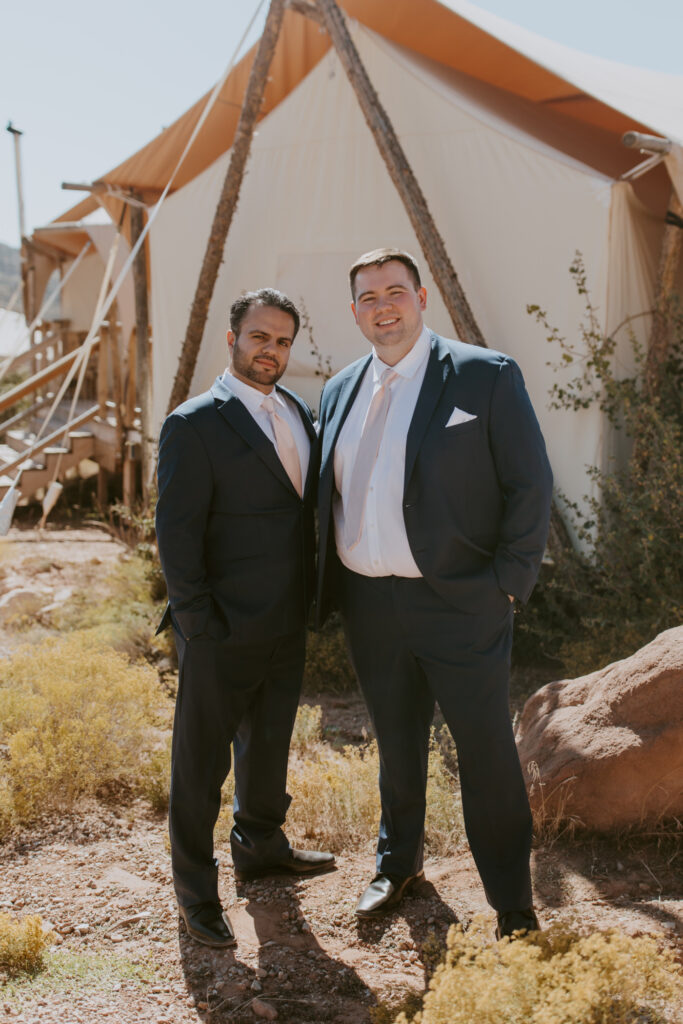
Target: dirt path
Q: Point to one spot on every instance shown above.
(103, 884)
(102, 880)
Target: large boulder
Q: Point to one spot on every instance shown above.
(609, 746)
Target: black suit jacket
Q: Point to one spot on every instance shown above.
(476, 500)
(236, 541)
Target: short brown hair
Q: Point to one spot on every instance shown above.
(378, 257)
(263, 297)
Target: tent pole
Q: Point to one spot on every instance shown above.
(659, 344)
(142, 343)
(227, 203)
(401, 174)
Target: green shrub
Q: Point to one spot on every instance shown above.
(553, 977)
(328, 669)
(76, 718)
(601, 607)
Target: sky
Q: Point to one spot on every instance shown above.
(89, 84)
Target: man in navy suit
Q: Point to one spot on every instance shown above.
(235, 530)
(434, 503)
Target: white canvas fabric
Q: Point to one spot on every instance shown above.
(80, 294)
(512, 208)
(652, 98)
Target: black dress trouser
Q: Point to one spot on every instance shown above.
(409, 649)
(247, 695)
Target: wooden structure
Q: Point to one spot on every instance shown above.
(77, 436)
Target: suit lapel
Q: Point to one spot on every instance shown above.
(439, 369)
(240, 419)
(347, 393)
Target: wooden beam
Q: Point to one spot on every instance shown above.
(103, 369)
(661, 335)
(27, 387)
(227, 203)
(116, 381)
(307, 8)
(401, 174)
(137, 218)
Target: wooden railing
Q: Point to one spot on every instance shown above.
(51, 439)
(34, 383)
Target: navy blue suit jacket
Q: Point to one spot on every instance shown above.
(476, 499)
(236, 541)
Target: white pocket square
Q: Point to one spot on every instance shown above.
(459, 416)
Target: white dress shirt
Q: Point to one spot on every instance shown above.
(252, 398)
(383, 548)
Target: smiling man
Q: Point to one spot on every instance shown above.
(434, 503)
(235, 530)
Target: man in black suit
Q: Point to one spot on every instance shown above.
(235, 530)
(434, 503)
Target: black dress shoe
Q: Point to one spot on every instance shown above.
(515, 922)
(300, 862)
(385, 892)
(208, 923)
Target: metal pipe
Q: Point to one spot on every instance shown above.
(17, 161)
(646, 143)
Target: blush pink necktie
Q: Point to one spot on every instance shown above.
(366, 457)
(285, 444)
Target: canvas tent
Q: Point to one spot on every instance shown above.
(516, 144)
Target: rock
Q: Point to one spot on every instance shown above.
(608, 745)
(19, 603)
(256, 986)
(264, 1010)
(82, 929)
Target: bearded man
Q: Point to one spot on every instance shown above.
(235, 531)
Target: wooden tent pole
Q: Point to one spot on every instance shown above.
(227, 202)
(401, 174)
(142, 344)
(659, 344)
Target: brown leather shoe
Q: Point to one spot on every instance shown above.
(384, 893)
(300, 862)
(208, 923)
(513, 923)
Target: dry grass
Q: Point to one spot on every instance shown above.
(124, 613)
(22, 945)
(76, 719)
(556, 977)
(552, 821)
(335, 796)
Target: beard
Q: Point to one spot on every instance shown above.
(253, 371)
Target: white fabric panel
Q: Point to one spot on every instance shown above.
(512, 212)
(79, 295)
(654, 98)
(103, 236)
(13, 337)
